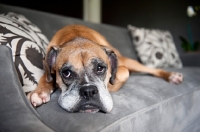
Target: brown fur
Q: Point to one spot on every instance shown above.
(62, 39)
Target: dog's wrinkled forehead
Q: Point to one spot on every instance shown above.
(80, 53)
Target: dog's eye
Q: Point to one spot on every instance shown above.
(67, 73)
(100, 69)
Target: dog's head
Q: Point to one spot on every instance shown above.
(83, 70)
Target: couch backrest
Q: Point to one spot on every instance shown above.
(50, 23)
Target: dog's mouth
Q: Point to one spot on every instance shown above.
(88, 108)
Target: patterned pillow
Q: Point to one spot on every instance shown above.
(28, 46)
(155, 48)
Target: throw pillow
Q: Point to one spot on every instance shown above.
(155, 48)
(28, 46)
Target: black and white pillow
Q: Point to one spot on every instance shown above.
(28, 46)
(155, 48)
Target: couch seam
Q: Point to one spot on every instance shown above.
(144, 110)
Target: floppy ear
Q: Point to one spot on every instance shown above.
(113, 62)
(49, 62)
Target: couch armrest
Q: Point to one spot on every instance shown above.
(190, 59)
(16, 113)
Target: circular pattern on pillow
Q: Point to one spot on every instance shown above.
(28, 46)
(155, 48)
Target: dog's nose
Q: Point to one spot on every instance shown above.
(88, 91)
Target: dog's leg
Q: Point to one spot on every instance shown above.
(121, 77)
(134, 66)
(42, 93)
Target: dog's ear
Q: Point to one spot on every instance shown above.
(49, 62)
(113, 62)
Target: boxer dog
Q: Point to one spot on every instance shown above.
(86, 67)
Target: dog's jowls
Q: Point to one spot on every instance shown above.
(86, 67)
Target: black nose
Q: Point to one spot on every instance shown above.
(88, 91)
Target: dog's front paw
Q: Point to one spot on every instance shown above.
(38, 98)
(175, 78)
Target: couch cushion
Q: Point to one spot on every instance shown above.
(155, 47)
(144, 103)
(28, 47)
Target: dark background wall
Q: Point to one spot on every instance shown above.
(159, 14)
(146, 13)
(71, 8)
(166, 15)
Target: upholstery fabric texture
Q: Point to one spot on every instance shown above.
(143, 104)
(155, 47)
(16, 113)
(28, 46)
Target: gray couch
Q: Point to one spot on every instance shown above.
(144, 103)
